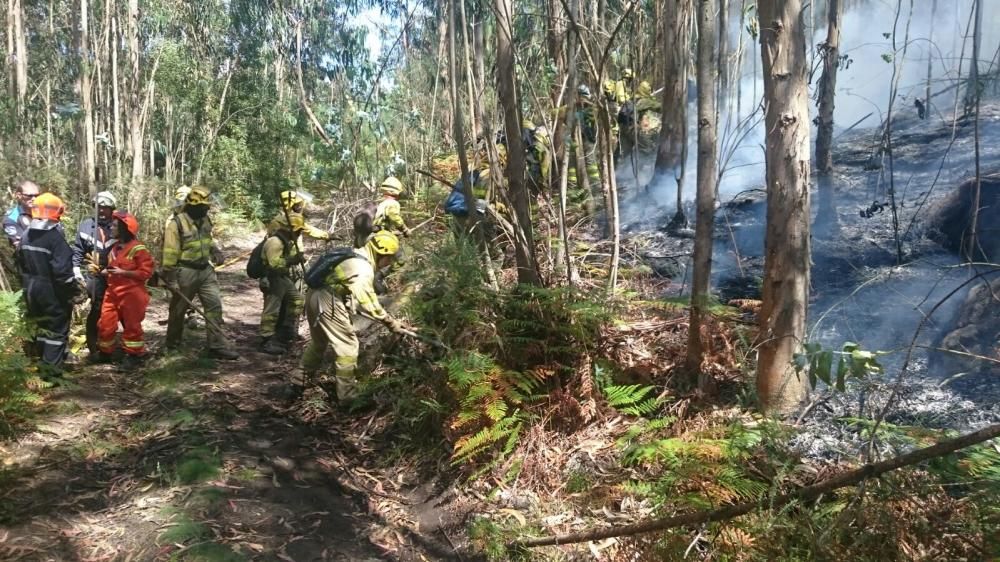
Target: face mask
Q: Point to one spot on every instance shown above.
(197, 211)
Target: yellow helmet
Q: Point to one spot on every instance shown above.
(383, 243)
(391, 186)
(527, 123)
(609, 87)
(181, 194)
(198, 196)
(291, 199)
(627, 74)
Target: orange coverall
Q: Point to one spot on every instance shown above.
(126, 299)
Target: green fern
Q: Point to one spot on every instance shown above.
(632, 399)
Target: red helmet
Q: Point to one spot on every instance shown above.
(129, 220)
(48, 207)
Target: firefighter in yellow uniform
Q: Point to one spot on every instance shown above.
(294, 203)
(282, 286)
(348, 288)
(387, 215)
(188, 254)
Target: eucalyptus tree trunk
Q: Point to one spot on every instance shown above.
(20, 58)
(780, 388)
(973, 87)
(524, 245)
(671, 147)
(87, 157)
(930, 58)
(830, 52)
(456, 108)
(135, 124)
(707, 177)
(116, 102)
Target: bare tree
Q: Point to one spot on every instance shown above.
(670, 152)
(830, 52)
(707, 163)
(780, 388)
(135, 124)
(87, 159)
(456, 108)
(524, 245)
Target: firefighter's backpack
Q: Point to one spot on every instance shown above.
(256, 268)
(318, 271)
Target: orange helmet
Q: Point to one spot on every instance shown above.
(48, 207)
(129, 220)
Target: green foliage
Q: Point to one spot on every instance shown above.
(198, 465)
(16, 396)
(490, 538)
(490, 401)
(539, 325)
(852, 361)
(632, 399)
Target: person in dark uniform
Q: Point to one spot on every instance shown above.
(90, 254)
(15, 222)
(49, 287)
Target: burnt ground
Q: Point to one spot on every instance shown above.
(194, 459)
(866, 288)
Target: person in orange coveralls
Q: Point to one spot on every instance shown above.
(130, 265)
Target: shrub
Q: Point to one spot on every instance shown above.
(16, 396)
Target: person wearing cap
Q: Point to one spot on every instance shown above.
(50, 289)
(93, 243)
(282, 286)
(130, 265)
(188, 255)
(17, 219)
(349, 287)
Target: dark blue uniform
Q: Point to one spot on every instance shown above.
(93, 236)
(49, 287)
(15, 222)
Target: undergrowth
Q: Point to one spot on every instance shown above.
(18, 384)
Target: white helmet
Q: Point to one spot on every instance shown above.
(105, 199)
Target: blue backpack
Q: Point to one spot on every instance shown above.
(454, 204)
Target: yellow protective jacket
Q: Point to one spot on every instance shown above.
(276, 253)
(309, 230)
(388, 215)
(187, 243)
(354, 279)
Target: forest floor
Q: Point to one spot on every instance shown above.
(193, 459)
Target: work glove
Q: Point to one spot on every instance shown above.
(264, 284)
(218, 258)
(295, 259)
(394, 325)
(406, 232)
(78, 274)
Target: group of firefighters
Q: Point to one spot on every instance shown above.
(108, 264)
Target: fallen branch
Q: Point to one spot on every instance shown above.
(848, 478)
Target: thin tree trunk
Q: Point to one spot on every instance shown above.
(707, 176)
(780, 388)
(119, 138)
(930, 58)
(317, 126)
(20, 59)
(524, 244)
(723, 49)
(135, 92)
(48, 121)
(670, 151)
(972, 241)
(457, 124)
(830, 53)
(88, 153)
(474, 117)
(973, 86)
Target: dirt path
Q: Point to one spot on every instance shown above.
(194, 459)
